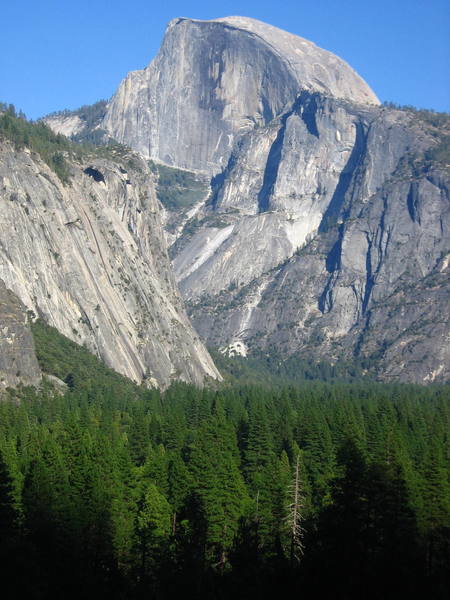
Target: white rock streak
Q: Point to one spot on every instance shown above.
(200, 251)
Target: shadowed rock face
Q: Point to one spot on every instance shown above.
(18, 362)
(90, 258)
(213, 81)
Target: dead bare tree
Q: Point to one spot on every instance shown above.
(295, 515)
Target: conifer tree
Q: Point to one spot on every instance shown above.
(153, 527)
(139, 436)
(219, 485)
(180, 485)
(11, 547)
(8, 515)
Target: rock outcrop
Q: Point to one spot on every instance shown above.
(335, 244)
(89, 257)
(81, 125)
(286, 181)
(18, 362)
(213, 81)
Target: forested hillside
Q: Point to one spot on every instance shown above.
(115, 491)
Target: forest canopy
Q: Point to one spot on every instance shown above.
(113, 490)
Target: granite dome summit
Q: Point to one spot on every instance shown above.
(317, 69)
(213, 81)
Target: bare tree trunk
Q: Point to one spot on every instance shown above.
(295, 516)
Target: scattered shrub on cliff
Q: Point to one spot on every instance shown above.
(36, 136)
(177, 189)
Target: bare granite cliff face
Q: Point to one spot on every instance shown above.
(326, 229)
(213, 81)
(89, 257)
(333, 242)
(286, 181)
(18, 362)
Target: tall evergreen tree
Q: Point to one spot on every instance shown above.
(219, 485)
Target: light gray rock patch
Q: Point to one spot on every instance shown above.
(18, 362)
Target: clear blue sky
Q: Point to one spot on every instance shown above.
(56, 55)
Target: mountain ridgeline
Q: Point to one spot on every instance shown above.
(324, 230)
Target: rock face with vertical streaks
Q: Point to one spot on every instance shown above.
(347, 257)
(89, 257)
(213, 81)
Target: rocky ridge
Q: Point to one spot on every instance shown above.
(335, 244)
(81, 125)
(89, 257)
